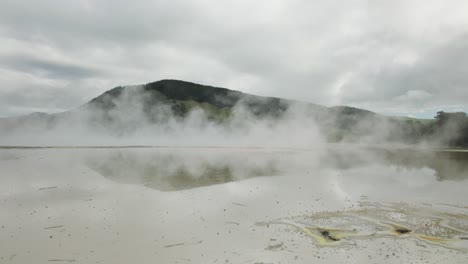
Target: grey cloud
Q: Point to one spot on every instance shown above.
(49, 68)
(326, 52)
(93, 22)
(438, 77)
(26, 98)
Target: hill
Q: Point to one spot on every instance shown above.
(124, 109)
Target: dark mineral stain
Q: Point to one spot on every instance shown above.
(402, 231)
(326, 234)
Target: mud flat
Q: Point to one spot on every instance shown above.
(218, 205)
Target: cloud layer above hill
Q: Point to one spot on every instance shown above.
(397, 57)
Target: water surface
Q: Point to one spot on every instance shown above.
(233, 205)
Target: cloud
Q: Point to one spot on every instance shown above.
(437, 79)
(48, 68)
(359, 53)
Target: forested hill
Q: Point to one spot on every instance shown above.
(182, 97)
(124, 109)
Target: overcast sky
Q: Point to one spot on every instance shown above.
(398, 57)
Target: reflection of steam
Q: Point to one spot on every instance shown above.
(168, 171)
(185, 168)
(448, 165)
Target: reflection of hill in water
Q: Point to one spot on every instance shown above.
(448, 165)
(451, 165)
(181, 170)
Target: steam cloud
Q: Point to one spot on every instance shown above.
(129, 123)
(133, 115)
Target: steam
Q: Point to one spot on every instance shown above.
(133, 115)
(127, 120)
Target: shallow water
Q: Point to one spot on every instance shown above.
(233, 205)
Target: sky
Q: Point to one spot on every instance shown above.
(399, 57)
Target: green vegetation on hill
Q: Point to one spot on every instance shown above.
(452, 128)
(186, 91)
(184, 97)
